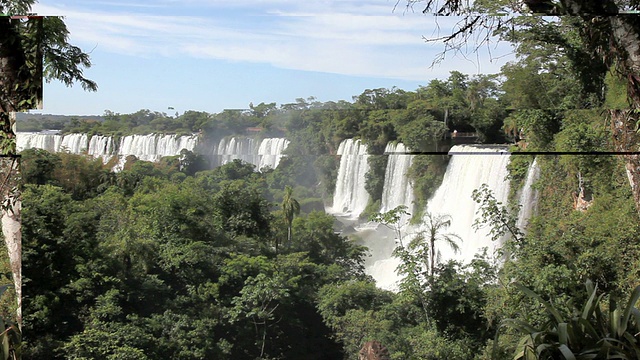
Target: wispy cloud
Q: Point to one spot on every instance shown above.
(343, 37)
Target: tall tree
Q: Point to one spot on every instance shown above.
(30, 47)
(290, 208)
(436, 226)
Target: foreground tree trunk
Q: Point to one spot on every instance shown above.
(11, 224)
(18, 91)
(25, 44)
(20, 81)
(626, 34)
(625, 140)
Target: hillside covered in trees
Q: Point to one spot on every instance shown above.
(174, 259)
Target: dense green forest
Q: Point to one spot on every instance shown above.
(161, 261)
(424, 120)
(169, 259)
(175, 260)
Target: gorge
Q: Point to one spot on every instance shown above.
(469, 167)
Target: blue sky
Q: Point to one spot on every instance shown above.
(210, 55)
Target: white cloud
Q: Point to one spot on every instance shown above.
(341, 37)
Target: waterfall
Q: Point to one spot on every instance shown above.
(144, 147)
(233, 148)
(264, 153)
(529, 196)
(270, 152)
(30, 140)
(101, 147)
(267, 152)
(98, 146)
(397, 191)
(350, 197)
(469, 168)
(74, 143)
(153, 147)
(397, 187)
(467, 171)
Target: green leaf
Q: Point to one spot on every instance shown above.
(627, 311)
(636, 316)
(614, 321)
(563, 337)
(587, 328)
(5, 341)
(4, 288)
(552, 310)
(520, 325)
(587, 311)
(540, 349)
(566, 352)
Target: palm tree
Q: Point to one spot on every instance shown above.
(290, 208)
(510, 128)
(436, 224)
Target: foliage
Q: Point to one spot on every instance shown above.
(498, 217)
(316, 237)
(587, 333)
(170, 260)
(350, 309)
(374, 179)
(426, 174)
(10, 335)
(63, 61)
(392, 220)
(33, 47)
(518, 168)
(327, 169)
(290, 208)
(538, 127)
(259, 300)
(180, 269)
(584, 132)
(434, 231)
(457, 299)
(422, 134)
(616, 95)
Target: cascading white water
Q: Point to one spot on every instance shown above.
(468, 169)
(529, 196)
(267, 152)
(351, 197)
(397, 191)
(264, 153)
(270, 152)
(397, 187)
(144, 147)
(101, 147)
(233, 148)
(74, 143)
(153, 147)
(30, 140)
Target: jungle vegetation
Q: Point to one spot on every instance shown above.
(163, 260)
